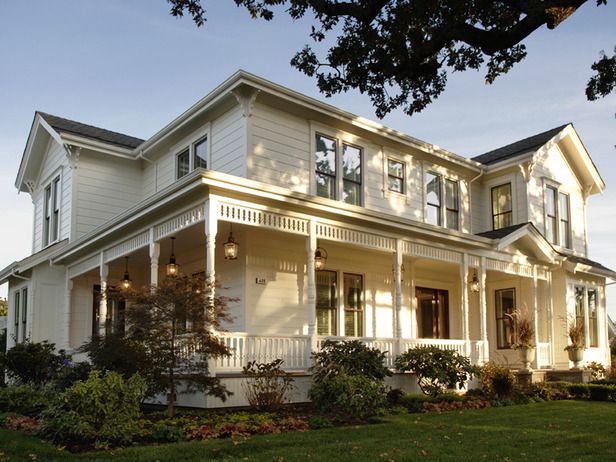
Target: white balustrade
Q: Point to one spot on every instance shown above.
(444, 344)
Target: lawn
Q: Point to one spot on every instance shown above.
(551, 431)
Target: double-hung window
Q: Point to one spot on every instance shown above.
(436, 189)
(502, 206)
(580, 293)
(24, 314)
(20, 309)
(329, 183)
(395, 176)
(505, 329)
(353, 305)
(17, 305)
(51, 212)
(327, 302)
(593, 318)
(193, 157)
(557, 228)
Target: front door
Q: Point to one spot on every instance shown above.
(432, 313)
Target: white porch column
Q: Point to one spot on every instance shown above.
(397, 263)
(414, 329)
(483, 309)
(211, 229)
(102, 310)
(535, 293)
(550, 308)
(465, 310)
(154, 262)
(311, 288)
(65, 330)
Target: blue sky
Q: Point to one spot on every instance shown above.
(130, 67)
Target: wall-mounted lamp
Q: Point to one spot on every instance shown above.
(474, 284)
(232, 248)
(173, 269)
(125, 282)
(320, 258)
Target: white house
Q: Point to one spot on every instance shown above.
(423, 246)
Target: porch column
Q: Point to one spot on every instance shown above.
(211, 229)
(398, 295)
(550, 308)
(154, 259)
(483, 309)
(66, 315)
(311, 288)
(414, 330)
(465, 315)
(102, 309)
(536, 317)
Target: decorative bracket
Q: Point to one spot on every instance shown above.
(526, 169)
(246, 96)
(30, 185)
(72, 154)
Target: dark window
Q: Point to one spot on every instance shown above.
(563, 217)
(433, 313)
(55, 224)
(327, 302)
(433, 199)
(96, 308)
(502, 215)
(16, 320)
(579, 309)
(505, 329)
(593, 318)
(200, 154)
(351, 174)
(47, 215)
(452, 204)
(550, 211)
(395, 176)
(24, 313)
(353, 305)
(325, 158)
(183, 163)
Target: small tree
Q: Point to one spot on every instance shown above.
(175, 321)
(32, 362)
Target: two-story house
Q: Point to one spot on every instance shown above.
(321, 223)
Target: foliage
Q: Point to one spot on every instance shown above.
(245, 424)
(400, 53)
(436, 369)
(266, 384)
(604, 81)
(352, 356)
(126, 356)
(414, 402)
(524, 322)
(4, 310)
(175, 322)
(351, 396)
(575, 332)
(318, 421)
(31, 362)
(69, 373)
(497, 381)
(168, 433)
(21, 423)
(597, 371)
(104, 409)
(22, 399)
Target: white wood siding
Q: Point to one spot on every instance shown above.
(228, 143)
(106, 186)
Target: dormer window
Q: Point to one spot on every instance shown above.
(191, 158)
(51, 217)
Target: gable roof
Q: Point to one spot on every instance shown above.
(63, 125)
(511, 150)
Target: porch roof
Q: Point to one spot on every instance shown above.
(20, 267)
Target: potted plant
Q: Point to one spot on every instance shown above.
(524, 325)
(576, 348)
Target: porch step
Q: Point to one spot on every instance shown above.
(568, 375)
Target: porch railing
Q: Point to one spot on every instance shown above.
(543, 354)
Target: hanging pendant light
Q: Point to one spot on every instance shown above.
(475, 283)
(173, 269)
(231, 247)
(320, 258)
(125, 282)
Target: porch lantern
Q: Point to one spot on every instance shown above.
(232, 248)
(474, 283)
(320, 258)
(173, 269)
(125, 282)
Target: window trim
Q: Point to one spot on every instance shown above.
(444, 177)
(340, 309)
(16, 313)
(586, 287)
(403, 179)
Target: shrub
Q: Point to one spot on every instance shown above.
(22, 399)
(266, 385)
(30, 362)
(436, 369)
(394, 397)
(69, 373)
(103, 410)
(167, 433)
(496, 381)
(353, 357)
(317, 421)
(414, 402)
(597, 371)
(21, 423)
(350, 396)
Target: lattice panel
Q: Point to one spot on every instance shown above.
(510, 268)
(350, 236)
(433, 253)
(253, 217)
(179, 222)
(128, 246)
(84, 266)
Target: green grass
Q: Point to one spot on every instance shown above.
(552, 431)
